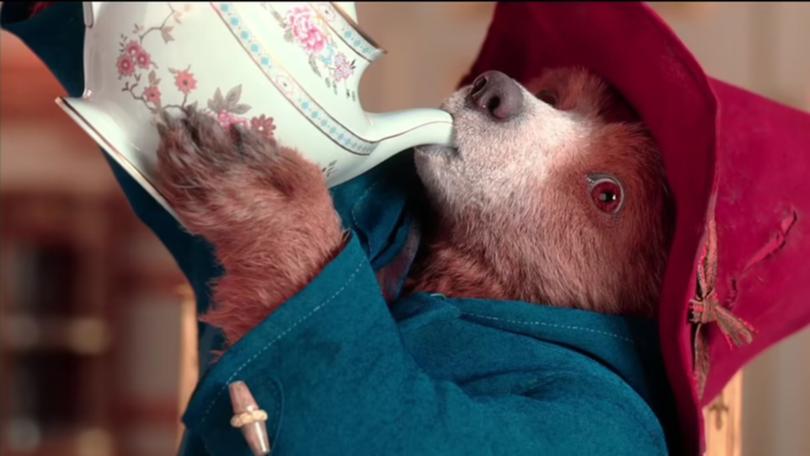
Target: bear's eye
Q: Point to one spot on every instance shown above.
(606, 193)
(548, 97)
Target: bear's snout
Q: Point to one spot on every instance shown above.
(496, 95)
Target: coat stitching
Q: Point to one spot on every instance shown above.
(277, 338)
(362, 199)
(551, 325)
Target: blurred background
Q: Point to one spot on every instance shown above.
(97, 327)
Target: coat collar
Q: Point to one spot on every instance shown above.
(628, 346)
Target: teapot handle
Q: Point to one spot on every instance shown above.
(90, 10)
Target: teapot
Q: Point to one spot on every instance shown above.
(288, 70)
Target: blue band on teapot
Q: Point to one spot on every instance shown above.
(347, 33)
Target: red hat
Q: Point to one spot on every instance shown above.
(738, 278)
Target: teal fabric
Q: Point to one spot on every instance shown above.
(341, 372)
(338, 373)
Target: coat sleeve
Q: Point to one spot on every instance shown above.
(331, 371)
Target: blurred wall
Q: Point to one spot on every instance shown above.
(58, 194)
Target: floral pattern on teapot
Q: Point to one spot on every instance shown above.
(305, 27)
(134, 61)
(346, 32)
(289, 87)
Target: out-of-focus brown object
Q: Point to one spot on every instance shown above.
(430, 46)
(723, 421)
(249, 418)
(89, 317)
(189, 359)
(684, 10)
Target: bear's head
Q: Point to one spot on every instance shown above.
(556, 189)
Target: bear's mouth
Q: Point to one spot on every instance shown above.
(438, 151)
(445, 153)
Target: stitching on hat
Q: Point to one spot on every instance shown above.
(552, 325)
(278, 338)
(770, 248)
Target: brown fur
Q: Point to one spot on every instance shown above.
(562, 251)
(248, 197)
(544, 242)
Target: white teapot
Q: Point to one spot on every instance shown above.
(289, 70)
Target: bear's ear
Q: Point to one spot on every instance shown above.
(573, 88)
(615, 108)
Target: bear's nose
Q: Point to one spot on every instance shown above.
(496, 95)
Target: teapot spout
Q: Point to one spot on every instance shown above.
(401, 130)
